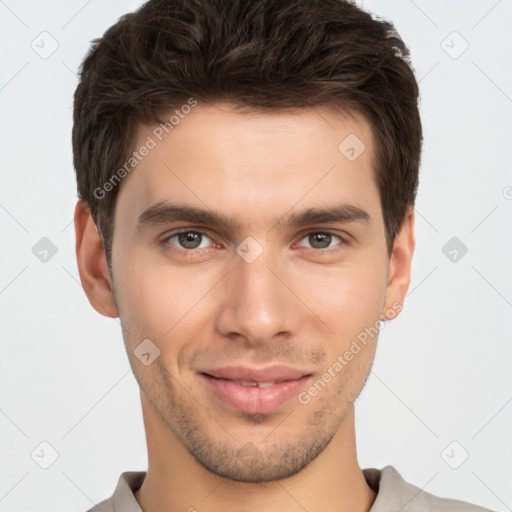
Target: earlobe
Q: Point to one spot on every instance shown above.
(92, 264)
(399, 274)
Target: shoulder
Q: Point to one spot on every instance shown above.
(105, 506)
(395, 493)
(123, 499)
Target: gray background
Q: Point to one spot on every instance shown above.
(440, 389)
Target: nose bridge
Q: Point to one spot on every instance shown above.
(256, 304)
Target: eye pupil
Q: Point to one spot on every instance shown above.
(189, 239)
(323, 238)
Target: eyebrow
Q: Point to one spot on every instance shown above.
(166, 212)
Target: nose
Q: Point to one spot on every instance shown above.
(257, 301)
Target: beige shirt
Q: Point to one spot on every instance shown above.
(394, 494)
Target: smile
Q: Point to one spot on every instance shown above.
(252, 396)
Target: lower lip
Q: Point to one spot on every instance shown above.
(255, 400)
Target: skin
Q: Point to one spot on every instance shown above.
(209, 307)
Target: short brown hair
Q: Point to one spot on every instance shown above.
(264, 54)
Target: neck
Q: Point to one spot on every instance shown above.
(175, 481)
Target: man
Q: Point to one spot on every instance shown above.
(247, 174)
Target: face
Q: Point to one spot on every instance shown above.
(249, 255)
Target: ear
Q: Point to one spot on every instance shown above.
(92, 264)
(399, 271)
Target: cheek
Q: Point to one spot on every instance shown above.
(157, 298)
(348, 299)
(156, 306)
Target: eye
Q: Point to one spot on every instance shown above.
(320, 240)
(188, 240)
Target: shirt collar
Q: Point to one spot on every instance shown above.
(393, 492)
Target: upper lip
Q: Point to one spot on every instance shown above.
(275, 373)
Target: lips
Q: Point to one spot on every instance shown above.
(255, 390)
(276, 373)
(250, 384)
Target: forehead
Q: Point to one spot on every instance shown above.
(253, 161)
(219, 128)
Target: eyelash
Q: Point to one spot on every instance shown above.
(194, 252)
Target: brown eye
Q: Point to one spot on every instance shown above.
(321, 240)
(189, 240)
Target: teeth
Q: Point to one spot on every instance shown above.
(248, 384)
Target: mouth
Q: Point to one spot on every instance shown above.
(254, 396)
(249, 384)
